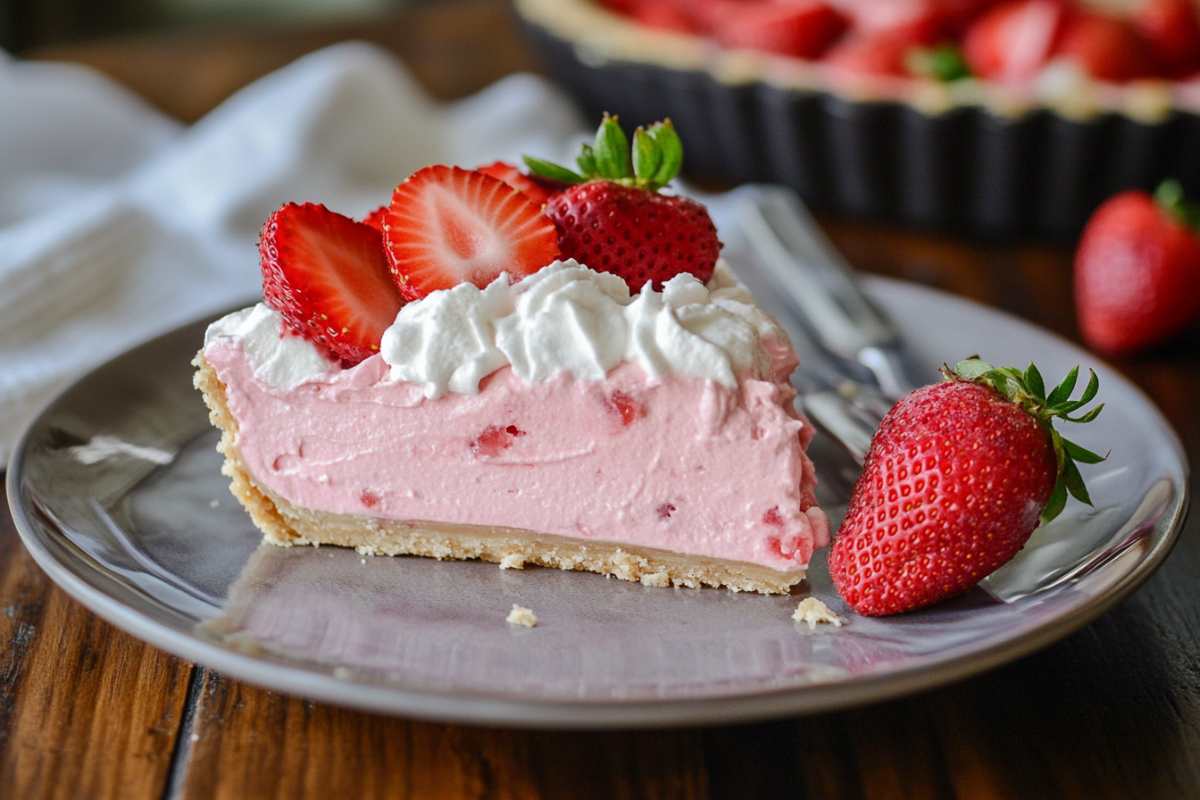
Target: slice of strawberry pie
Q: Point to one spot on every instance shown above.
(451, 380)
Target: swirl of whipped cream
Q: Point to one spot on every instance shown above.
(279, 359)
(447, 340)
(568, 318)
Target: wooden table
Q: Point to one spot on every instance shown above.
(1112, 711)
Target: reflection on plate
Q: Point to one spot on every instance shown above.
(117, 492)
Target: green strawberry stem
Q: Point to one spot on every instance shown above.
(653, 160)
(1028, 390)
(943, 63)
(1170, 198)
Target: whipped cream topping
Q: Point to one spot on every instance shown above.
(567, 318)
(279, 360)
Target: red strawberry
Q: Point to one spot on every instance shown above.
(448, 225)
(328, 276)
(621, 6)
(640, 235)
(1105, 47)
(800, 28)
(375, 218)
(613, 219)
(1012, 41)
(1137, 269)
(670, 15)
(958, 14)
(954, 483)
(924, 20)
(537, 191)
(1172, 29)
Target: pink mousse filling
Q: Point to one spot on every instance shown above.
(682, 464)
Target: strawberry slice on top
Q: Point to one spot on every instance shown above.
(327, 276)
(447, 225)
(375, 218)
(537, 191)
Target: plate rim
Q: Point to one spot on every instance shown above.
(490, 708)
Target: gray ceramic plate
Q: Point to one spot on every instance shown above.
(117, 493)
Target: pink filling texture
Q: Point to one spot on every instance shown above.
(681, 464)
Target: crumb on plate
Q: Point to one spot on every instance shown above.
(520, 615)
(813, 612)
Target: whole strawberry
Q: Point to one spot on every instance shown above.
(612, 217)
(957, 478)
(1137, 269)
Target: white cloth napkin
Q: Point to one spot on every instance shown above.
(117, 223)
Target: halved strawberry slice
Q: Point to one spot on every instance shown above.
(531, 187)
(327, 275)
(448, 225)
(375, 218)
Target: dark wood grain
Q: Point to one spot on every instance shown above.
(1111, 712)
(85, 710)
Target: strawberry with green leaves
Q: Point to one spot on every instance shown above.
(958, 476)
(613, 217)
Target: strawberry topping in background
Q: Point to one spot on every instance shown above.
(923, 19)
(1137, 270)
(1001, 40)
(881, 53)
(1105, 47)
(957, 477)
(612, 217)
(1171, 28)
(670, 15)
(328, 277)
(1012, 41)
(802, 28)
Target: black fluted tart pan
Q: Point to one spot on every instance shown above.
(976, 161)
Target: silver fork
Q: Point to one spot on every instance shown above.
(854, 364)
